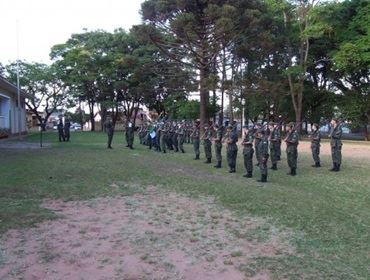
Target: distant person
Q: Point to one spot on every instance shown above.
(315, 144)
(67, 129)
(60, 127)
(130, 130)
(232, 148)
(248, 151)
(274, 144)
(108, 125)
(263, 150)
(196, 139)
(336, 144)
(292, 141)
(219, 134)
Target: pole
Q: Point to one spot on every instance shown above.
(18, 85)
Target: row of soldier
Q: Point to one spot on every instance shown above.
(64, 130)
(262, 140)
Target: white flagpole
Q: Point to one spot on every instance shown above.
(18, 86)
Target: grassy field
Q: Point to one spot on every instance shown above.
(328, 213)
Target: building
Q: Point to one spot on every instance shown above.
(12, 121)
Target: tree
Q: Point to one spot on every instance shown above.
(189, 32)
(43, 84)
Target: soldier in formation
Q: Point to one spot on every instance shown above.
(232, 148)
(108, 125)
(292, 141)
(60, 127)
(274, 144)
(315, 144)
(263, 150)
(207, 142)
(248, 152)
(335, 136)
(130, 129)
(218, 144)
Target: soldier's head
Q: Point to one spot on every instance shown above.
(229, 128)
(290, 126)
(271, 125)
(315, 127)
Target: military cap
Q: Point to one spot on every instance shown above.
(315, 124)
(230, 127)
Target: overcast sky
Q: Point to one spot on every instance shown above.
(44, 23)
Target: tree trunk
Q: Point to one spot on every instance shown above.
(203, 97)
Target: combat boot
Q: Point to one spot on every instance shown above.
(263, 179)
(232, 170)
(196, 157)
(248, 175)
(338, 167)
(182, 150)
(218, 165)
(334, 167)
(274, 167)
(208, 160)
(293, 172)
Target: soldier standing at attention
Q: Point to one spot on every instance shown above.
(248, 152)
(218, 144)
(195, 136)
(174, 137)
(232, 148)
(108, 125)
(336, 144)
(130, 134)
(292, 141)
(315, 144)
(274, 144)
(207, 142)
(257, 140)
(181, 136)
(61, 130)
(67, 129)
(163, 134)
(263, 149)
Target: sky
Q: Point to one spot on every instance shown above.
(42, 24)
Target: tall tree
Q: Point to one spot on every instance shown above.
(42, 82)
(189, 32)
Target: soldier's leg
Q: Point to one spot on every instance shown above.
(250, 163)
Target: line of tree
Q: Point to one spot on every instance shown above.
(301, 60)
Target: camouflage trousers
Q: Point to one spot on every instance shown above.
(336, 154)
(292, 156)
(232, 153)
(248, 158)
(315, 149)
(274, 152)
(218, 149)
(258, 154)
(163, 143)
(208, 149)
(263, 164)
(196, 144)
(180, 141)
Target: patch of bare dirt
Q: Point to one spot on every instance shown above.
(153, 235)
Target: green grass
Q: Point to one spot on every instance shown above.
(328, 213)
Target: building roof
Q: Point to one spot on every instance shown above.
(5, 84)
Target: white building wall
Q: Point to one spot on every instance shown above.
(10, 115)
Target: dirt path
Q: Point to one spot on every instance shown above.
(150, 235)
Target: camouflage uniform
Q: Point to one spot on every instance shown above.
(181, 137)
(108, 125)
(232, 150)
(257, 140)
(130, 127)
(67, 130)
(292, 141)
(163, 135)
(263, 149)
(336, 147)
(61, 131)
(207, 142)
(248, 152)
(315, 146)
(218, 146)
(196, 141)
(175, 144)
(274, 147)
